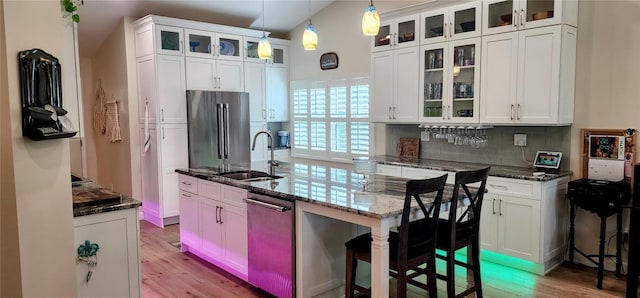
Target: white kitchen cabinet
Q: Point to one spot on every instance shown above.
(395, 85)
(397, 33)
(117, 273)
(214, 75)
(219, 218)
(161, 86)
(277, 91)
(528, 77)
(279, 53)
(251, 50)
(209, 44)
(451, 23)
(450, 79)
(255, 84)
(169, 40)
(500, 16)
(167, 152)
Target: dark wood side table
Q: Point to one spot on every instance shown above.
(633, 259)
(604, 199)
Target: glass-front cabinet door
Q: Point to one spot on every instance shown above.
(463, 84)
(251, 50)
(457, 22)
(279, 55)
(433, 76)
(229, 47)
(169, 40)
(397, 33)
(449, 77)
(504, 16)
(199, 43)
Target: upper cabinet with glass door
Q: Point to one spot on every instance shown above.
(169, 40)
(251, 50)
(451, 23)
(207, 44)
(397, 33)
(500, 16)
(450, 81)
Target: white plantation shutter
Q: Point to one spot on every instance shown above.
(330, 119)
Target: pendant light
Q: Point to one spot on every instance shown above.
(264, 47)
(310, 37)
(370, 21)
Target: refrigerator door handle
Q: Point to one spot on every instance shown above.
(226, 130)
(220, 129)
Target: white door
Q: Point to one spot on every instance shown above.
(172, 89)
(210, 228)
(254, 84)
(382, 94)
(499, 78)
(174, 148)
(539, 75)
(489, 222)
(189, 233)
(519, 228)
(201, 74)
(407, 80)
(147, 92)
(230, 75)
(277, 94)
(234, 223)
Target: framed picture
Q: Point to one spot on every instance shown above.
(329, 61)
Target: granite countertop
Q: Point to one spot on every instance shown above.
(331, 185)
(80, 188)
(453, 166)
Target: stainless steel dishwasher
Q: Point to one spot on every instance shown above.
(271, 244)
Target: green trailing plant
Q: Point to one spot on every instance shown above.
(71, 8)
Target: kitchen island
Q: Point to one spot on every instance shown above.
(329, 201)
(106, 231)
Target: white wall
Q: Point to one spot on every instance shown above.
(40, 261)
(109, 67)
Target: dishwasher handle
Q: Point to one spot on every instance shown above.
(267, 205)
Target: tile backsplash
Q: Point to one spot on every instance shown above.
(500, 150)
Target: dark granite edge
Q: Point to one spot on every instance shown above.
(125, 203)
(450, 166)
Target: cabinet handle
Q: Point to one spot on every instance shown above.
(221, 222)
(500, 208)
(162, 115)
(444, 31)
(493, 207)
(264, 114)
(498, 186)
(451, 31)
(186, 183)
(518, 112)
(163, 133)
(522, 16)
(217, 220)
(186, 195)
(395, 40)
(511, 112)
(180, 47)
(514, 21)
(444, 112)
(449, 112)
(389, 114)
(394, 113)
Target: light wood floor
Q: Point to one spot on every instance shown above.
(168, 273)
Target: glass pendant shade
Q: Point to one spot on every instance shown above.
(264, 48)
(370, 21)
(310, 38)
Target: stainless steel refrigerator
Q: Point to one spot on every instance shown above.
(218, 125)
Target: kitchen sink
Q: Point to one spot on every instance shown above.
(249, 176)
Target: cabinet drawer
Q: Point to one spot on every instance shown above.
(234, 196)
(208, 189)
(416, 173)
(388, 170)
(188, 183)
(521, 188)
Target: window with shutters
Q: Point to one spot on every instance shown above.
(331, 119)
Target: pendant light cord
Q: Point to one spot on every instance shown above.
(309, 11)
(263, 18)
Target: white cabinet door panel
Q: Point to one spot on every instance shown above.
(489, 223)
(407, 78)
(210, 228)
(189, 233)
(519, 228)
(147, 93)
(230, 75)
(254, 84)
(201, 74)
(382, 90)
(234, 221)
(498, 73)
(172, 89)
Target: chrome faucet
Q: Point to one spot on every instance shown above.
(272, 164)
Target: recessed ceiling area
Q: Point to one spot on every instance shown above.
(98, 18)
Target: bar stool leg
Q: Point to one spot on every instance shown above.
(619, 245)
(572, 218)
(603, 227)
